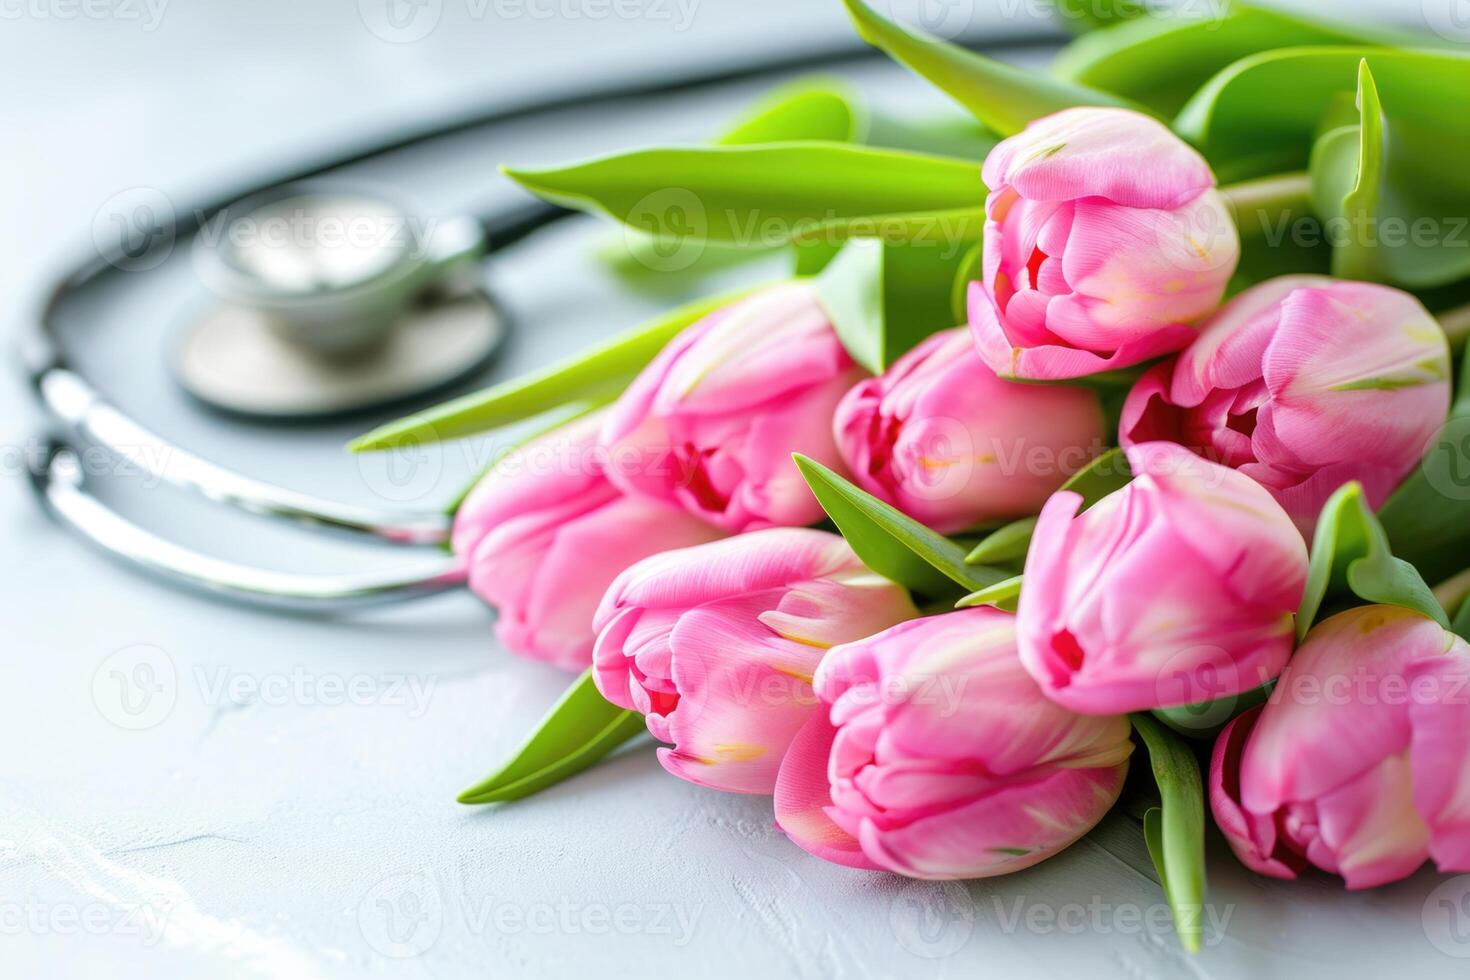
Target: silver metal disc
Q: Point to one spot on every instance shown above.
(234, 360)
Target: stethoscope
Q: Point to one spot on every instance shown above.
(299, 303)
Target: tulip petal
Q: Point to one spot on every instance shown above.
(1370, 833)
(1012, 828)
(1116, 154)
(803, 798)
(557, 471)
(946, 441)
(1229, 521)
(1134, 271)
(1439, 753)
(745, 563)
(548, 607)
(1340, 708)
(1252, 837)
(1054, 361)
(633, 406)
(711, 424)
(743, 693)
(728, 369)
(841, 609)
(1357, 371)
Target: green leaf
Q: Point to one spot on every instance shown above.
(578, 731)
(1266, 210)
(945, 234)
(1347, 173)
(1001, 595)
(1105, 474)
(1204, 720)
(969, 271)
(1241, 122)
(1175, 832)
(592, 374)
(1428, 518)
(756, 195)
(1461, 623)
(890, 542)
(951, 232)
(1397, 212)
(1351, 557)
(1002, 96)
(1160, 61)
(1085, 15)
(850, 289)
(885, 297)
(947, 135)
(807, 109)
(1006, 544)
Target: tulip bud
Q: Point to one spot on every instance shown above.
(1179, 588)
(941, 758)
(1356, 764)
(947, 442)
(711, 424)
(1105, 240)
(716, 645)
(1304, 383)
(544, 534)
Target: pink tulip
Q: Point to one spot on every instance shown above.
(545, 533)
(716, 645)
(1179, 588)
(711, 424)
(1105, 240)
(941, 758)
(944, 440)
(1357, 763)
(1304, 383)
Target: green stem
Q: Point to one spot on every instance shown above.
(1452, 592)
(1456, 323)
(1266, 202)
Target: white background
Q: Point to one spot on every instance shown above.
(281, 803)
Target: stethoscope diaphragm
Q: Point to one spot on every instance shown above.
(330, 299)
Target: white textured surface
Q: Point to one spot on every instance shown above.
(287, 809)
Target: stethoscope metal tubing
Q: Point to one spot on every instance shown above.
(59, 481)
(93, 419)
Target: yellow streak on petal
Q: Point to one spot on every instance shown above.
(1377, 617)
(738, 752)
(931, 463)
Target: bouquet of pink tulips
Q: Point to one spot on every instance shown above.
(1125, 430)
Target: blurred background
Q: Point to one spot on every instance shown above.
(256, 820)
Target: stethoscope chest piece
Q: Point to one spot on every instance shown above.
(331, 301)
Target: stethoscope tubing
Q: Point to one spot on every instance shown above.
(86, 415)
